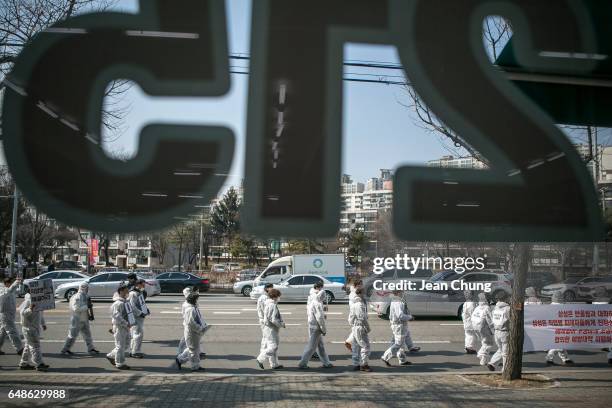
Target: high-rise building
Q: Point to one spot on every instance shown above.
(466, 162)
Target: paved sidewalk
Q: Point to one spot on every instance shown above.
(575, 389)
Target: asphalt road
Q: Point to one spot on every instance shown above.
(233, 341)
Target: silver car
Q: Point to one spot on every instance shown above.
(58, 278)
(104, 285)
(297, 288)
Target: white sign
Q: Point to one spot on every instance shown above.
(41, 293)
(567, 326)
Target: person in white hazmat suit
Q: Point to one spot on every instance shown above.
(358, 319)
(501, 323)
(261, 304)
(399, 316)
(8, 292)
(558, 299)
(194, 327)
(273, 322)
(352, 286)
(32, 321)
(532, 297)
(471, 338)
(122, 318)
(141, 311)
(482, 322)
(317, 328)
(79, 321)
(600, 297)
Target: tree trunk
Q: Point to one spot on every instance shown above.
(514, 362)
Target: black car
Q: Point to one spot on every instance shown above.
(175, 282)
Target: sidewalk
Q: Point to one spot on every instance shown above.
(575, 389)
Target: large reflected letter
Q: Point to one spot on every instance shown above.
(295, 111)
(52, 115)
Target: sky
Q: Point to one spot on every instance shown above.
(378, 132)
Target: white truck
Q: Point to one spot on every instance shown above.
(329, 266)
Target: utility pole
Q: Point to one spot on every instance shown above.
(14, 228)
(201, 241)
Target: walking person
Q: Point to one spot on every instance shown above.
(316, 328)
(471, 337)
(360, 327)
(558, 299)
(482, 322)
(352, 286)
(141, 311)
(501, 323)
(8, 292)
(194, 327)
(32, 320)
(273, 322)
(122, 319)
(79, 321)
(261, 303)
(398, 318)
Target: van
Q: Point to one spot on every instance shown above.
(329, 266)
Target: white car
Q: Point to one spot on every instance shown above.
(104, 285)
(297, 288)
(58, 278)
(577, 289)
(243, 288)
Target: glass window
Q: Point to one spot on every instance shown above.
(296, 280)
(64, 275)
(277, 270)
(99, 278)
(49, 275)
(163, 276)
(311, 280)
(116, 277)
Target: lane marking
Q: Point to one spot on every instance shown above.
(227, 313)
(415, 342)
(451, 324)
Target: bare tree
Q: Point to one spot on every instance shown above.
(160, 242)
(22, 20)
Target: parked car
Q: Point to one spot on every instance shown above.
(70, 265)
(218, 268)
(104, 285)
(243, 287)
(232, 266)
(395, 275)
(297, 288)
(175, 282)
(421, 303)
(577, 289)
(538, 280)
(58, 278)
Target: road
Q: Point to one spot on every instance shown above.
(234, 339)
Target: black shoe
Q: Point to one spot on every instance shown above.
(111, 360)
(386, 362)
(111, 331)
(67, 352)
(467, 351)
(356, 368)
(550, 363)
(328, 366)
(260, 364)
(42, 367)
(94, 351)
(20, 351)
(26, 367)
(610, 361)
(303, 367)
(202, 356)
(406, 363)
(365, 368)
(137, 355)
(2, 353)
(278, 367)
(124, 367)
(568, 362)
(491, 367)
(178, 363)
(195, 370)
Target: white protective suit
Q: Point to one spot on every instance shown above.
(261, 303)
(7, 316)
(471, 337)
(194, 326)
(482, 322)
(532, 297)
(273, 322)
(79, 321)
(31, 324)
(316, 329)
(140, 309)
(557, 299)
(358, 319)
(184, 306)
(501, 323)
(351, 299)
(122, 318)
(399, 316)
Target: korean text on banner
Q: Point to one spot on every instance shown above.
(567, 326)
(41, 292)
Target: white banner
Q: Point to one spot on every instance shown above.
(567, 326)
(41, 292)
